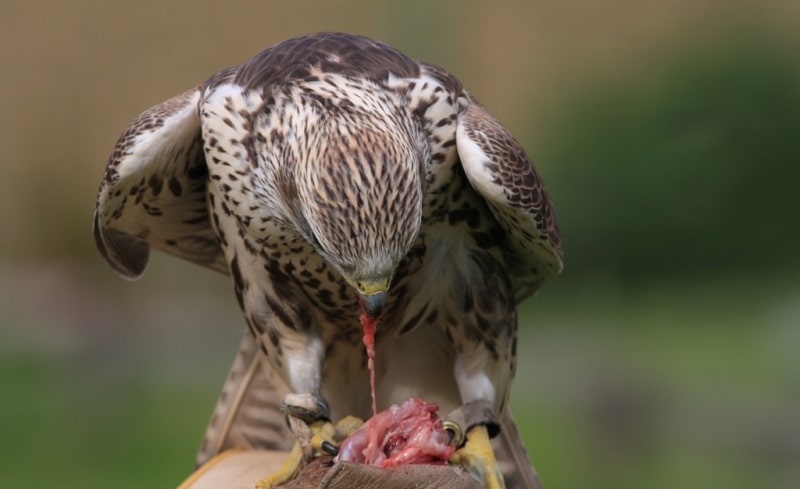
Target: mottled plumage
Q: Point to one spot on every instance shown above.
(325, 165)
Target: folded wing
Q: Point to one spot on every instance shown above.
(153, 194)
(500, 171)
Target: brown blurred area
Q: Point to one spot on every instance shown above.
(106, 377)
(75, 73)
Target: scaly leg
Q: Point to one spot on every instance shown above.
(477, 458)
(288, 470)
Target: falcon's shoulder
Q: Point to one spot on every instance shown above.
(153, 194)
(500, 171)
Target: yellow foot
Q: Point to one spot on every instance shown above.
(290, 468)
(312, 440)
(477, 458)
(326, 436)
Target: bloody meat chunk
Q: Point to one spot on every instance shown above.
(408, 433)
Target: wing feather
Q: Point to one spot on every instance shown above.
(500, 171)
(153, 194)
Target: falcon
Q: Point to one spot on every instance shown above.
(331, 175)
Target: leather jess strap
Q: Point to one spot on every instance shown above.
(462, 419)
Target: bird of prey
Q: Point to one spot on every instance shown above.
(327, 175)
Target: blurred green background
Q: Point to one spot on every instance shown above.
(667, 355)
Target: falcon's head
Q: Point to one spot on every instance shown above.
(359, 197)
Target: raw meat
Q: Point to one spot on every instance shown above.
(408, 433)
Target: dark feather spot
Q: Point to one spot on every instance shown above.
(413, 321)
(238, 280)
(156, 184)
(280, 312)
(273, 337)
(175, 186)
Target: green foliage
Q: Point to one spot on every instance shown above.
(692, 171)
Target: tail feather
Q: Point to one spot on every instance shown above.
(512, 457)
(247, 414)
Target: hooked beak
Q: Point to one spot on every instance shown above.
(373, 303)
(372, 295)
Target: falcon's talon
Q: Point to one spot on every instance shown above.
(329, 448)
(324, 433)
(477, 458)
(327, 436)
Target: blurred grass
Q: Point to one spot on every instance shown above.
(690, 385)
(650, 388)
(70, 430)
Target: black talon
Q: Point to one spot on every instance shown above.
(330, 448)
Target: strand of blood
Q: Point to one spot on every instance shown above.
(403, 434)
(368, 324)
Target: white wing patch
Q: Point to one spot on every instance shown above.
(473, 159)
(153, 147)
(154, 192)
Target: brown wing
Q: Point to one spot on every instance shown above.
(153, 194)
(500, 171)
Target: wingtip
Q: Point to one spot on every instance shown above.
(125, 254)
